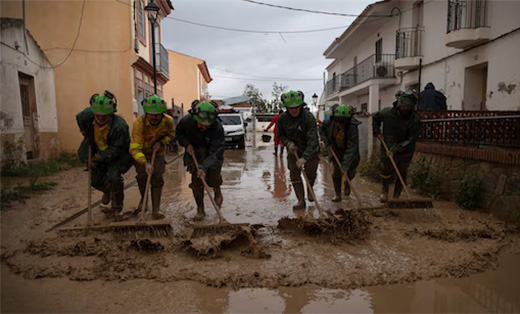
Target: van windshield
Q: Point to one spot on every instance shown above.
(230, 120)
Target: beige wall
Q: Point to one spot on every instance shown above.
(101, 60)
(185, 80)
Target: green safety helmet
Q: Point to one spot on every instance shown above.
(292, 99)
(407, 98)
(154, 104)
(103, 104)
(205, 112)
(342, 111)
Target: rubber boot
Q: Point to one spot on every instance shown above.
(398, 189)
(275, 150)
(281, 150)
(199, 199)
(219, 199)
(142, 188)
(337, 189)
(309, 194)
(384, 190)
(117, 198)
(300, 194)
(156, 203)
(346, 191)
(106, 198)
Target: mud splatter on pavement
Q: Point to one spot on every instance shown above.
(342, 226)
(377, 248)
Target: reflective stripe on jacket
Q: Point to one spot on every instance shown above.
(145, 135)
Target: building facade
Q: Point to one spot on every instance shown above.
(28, 116)
(95, 46)
(467, 48)
(189, 80)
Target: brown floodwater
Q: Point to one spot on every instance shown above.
(436, 260)
(494, 291)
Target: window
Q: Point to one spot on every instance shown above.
(379, 50)
(141, 22)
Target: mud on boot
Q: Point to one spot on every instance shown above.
(200, 214)
(346, 190)
(300, 195)
(219, 199)
(106, 198)
(337, 189)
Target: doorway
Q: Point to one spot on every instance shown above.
(475, 87)
(30, 116)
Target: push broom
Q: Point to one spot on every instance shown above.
(410, 202)
(350, 183)
(223, 226)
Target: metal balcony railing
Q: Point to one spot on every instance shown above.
(473, 128)
(467, 14)
(408, 42)
(161, 59)
(375, 66)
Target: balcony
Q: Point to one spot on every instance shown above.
(408, 48)
(467, 23)
(377, 66)
(161, 59)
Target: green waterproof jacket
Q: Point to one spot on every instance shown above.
(302, 131)
(351, 157)
(208, 145)
(400, 132)
(118, 140)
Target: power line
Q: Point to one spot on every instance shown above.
(314, 11)
(256, 31)
(77, 36)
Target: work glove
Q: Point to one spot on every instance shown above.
(292, 148)
(94, 160)
(300, 162)
(395, 149)
(201, 174)
(189, 150)
(148, 168)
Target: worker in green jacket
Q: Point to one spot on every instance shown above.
(340, 133)
(401, 129)
(298, 132)
(107, 135)
(201, 133)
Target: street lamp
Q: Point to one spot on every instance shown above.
(153, 12)
(314, 99)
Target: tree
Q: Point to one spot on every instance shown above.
(276, 104)
(256, 99)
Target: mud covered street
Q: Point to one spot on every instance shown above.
(413, 251)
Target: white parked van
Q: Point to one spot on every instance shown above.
(234, 126)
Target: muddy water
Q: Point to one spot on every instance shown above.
(493, 291)
(409, 253)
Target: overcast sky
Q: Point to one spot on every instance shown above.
(263, 58)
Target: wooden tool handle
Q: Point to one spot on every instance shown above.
(311, 190)
(148, 181)
(206, 187)
(395, 166)
(346, 177)
(89, 191)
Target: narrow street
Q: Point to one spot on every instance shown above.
(428, 260)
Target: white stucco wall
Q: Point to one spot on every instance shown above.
(447, 67)
(33, 63)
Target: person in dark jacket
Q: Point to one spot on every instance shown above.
(340, 133)
(201, 133)
(107, 135)
(298, 132)
(432, 99)
(401, 129)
